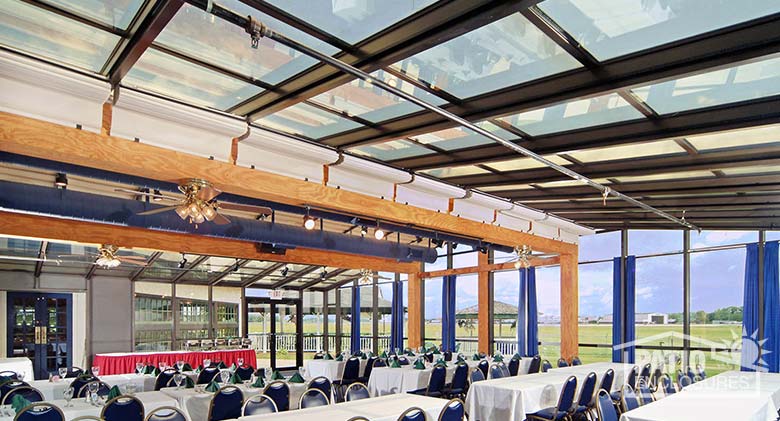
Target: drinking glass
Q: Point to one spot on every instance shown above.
(206, 363)
(20, 375)
(180, 365)
(68, 395)
(95, 371)
(240, 362)
(7, 410)
(139, 367)
(62, 371)
(178, 378)
(224, 375)
(130, 388)
(163, 365)
(93, 387)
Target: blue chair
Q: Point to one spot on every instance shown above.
(10, 385)
(403, 360)
(628, 399)
(30, 393)
(655, 379)
(453, 411)
(123, 408)
(448, 356)
(258, 405)
(495, 372)
(164, 378)
(103, 389)
(631, 381)
(668, 385)
(700, 372)
(644, 375)
(504, 368)
(605, 408)
(312, 398)
(380, 362)
(457, 388)
(8, 375)
(645, 394)
(535, 365)
(279, 392)
(166, 413)
(436, 383)
(514, 366)
(356, 391)
(350, 375)
(483, 366)
(367, 370)
(689, 372)
(562, 363)
(226, 404)
(207, 375)
(319, 355)
(79, 382)
(413, 414)
(565, 402)
(40, 411)
(245, 372)
(428, 356)
(576, 361)
(607, 379)
(685, 381)
(546, 366)
(476, 375)
(585, 402)
(74, 372)
(323, 384)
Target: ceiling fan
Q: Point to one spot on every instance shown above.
(366, 276)
(199, 204)
(107, 257)
(521, 257)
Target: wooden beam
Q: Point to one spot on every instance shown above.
(569, 306)
(31, 137)
(535, 262)
(415, 322)
(130, 237)
(105, 124)
(485, 312)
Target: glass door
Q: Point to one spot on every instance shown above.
(39, 327)
(276, 327)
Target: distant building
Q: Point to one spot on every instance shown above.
(641, 319)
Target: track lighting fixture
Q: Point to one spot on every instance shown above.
(285, 271)
(363, 230)
(183, 261)
(482, 249)
(437, 243)
(379, 233)
(61, 181)
(236, 266)
(157, 195)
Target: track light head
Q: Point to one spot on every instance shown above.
(285, 271)
(61, 181)
(157, 195)
(379, 234)
(363, 230)
(183, 261)
(309, 223)
(437, 243)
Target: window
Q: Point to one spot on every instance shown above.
(345, 315)
(464, 256)
(367, 317)
(644, 242)
(599, 246)
(506, 297)
(659, 301)
(595, 311)
(466, 313)
(721, 238)
(193, 312)
(384, 306)
(433, 307)
(153, 317)
(548, 301)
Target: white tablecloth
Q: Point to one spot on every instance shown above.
(385, 408)
(387, 380)
(79, 407)
(18, 365)
(54, 390)
(331, 369)
(731, 395)
(511, 398)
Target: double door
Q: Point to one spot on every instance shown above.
(277, 328)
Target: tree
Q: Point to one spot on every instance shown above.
(700, 317)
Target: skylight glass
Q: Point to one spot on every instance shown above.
(461, 137)
(753, 136)
(638, 150)
(392, 150)
(665, 176)
(574, 115)
(525, 163)
(48, 35)
(503, 53)
(354, 20)
(455, 171)
(167, 75)
(360, 98)
(215, 41)
(304, 119)
(117, 13)
(612, 28)
(738, 83)
(756, 169)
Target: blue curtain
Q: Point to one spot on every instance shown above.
(355, 322)
(532, 330)
(617, 316)
(397, 317)
(522, 314)
(750, 309)
(623, 323)
(448, 313)
(771, 308)
(630, 334)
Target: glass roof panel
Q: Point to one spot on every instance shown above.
(665, 176)
(612, 28)
(756, 169)
(738, 83)
(455, 171)
(736, 138)
(522, 186)
(461, 137)
(117, 13)
(351, 21)
(21, 247)
(198, 34)
(392, 150)
(638, 150)
(578, 114)
(503, 53)
(167, 75)
(525, 163)
(167, 266)
(304, 119)
(48, 35)
(360, 98)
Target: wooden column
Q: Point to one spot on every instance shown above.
(415, 327)
(569, 306)
(485, 299)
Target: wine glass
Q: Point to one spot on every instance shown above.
(240, 362)
(95, 371)
(206, 363)
(224, 375)
(93, 387)
(180, 365)
(163, 365)
(178, 378)
(62, 371)
(139, 368)
(20, 375)
(67, 394)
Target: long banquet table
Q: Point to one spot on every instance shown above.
(331, 369)
(124, 362)
(80, 408)
(18, 365)
(388, 380)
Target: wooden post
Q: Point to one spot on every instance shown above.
(485, 300)
(569, 306)
(415, 327)
(105, 124)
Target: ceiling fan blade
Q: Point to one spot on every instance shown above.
(158, 210)
(132, 262)
(140, 193)
(221, 219)
(207, 193)
(263, 210)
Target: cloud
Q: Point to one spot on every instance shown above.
(645, 293)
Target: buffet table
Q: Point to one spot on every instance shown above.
(21, 365)
(124, 362)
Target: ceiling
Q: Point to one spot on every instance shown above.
(674, 103)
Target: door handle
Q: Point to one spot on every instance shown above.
(37, 335)
(44, 334)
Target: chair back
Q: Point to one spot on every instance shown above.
(89, 418)
(453, 411)
(164, 377)
(123, 408)
(645, 394)
(504, 368)
(495, 372)
(413, 414)
(226, 404)
(514, 366)
(10, 385)
(258, 405)
(685, 381)
(428, 356)
(166, 413)
(380, 362)
(40, 411)
(8, 375)
(356, 391)
(279, 391)
(79, 382)
(587, 390)
(448, 356)
(30, 393)
(312, 398)
(103, 389)
(369, 367)
(562, 362)
(403, 360)
(323, 384)
(632, 376)
(483, 366)
(667, 385)
(207, 375)
(536, 364)
(646, 370)
(566, 400)
(546, 366)
(576, 361)
(700, 372)
(689, 372)
(245, 372)
(351, 369)
(605, 408)
(438, 379)
(74, 372)
(607, 380)
(476, 375)
(319, 356)
(628, 398)
(655, 378)
(358, 418)
(460, 377)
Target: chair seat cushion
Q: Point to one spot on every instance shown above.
(580, 409)
(549, 414)
(418, 391)
(615, 396)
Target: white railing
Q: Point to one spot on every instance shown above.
(312, 343)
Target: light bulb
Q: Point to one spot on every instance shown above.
(379, 234)
(209, 213)
(194, 209)
(198, 219)
(182, 211)
(308, 223)
(518, 265)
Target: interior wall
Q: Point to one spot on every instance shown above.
(80, 329)
(110, 329)
(3, 319)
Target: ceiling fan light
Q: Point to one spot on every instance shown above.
(198, 219)
(309, 223)
(518, 264)
(209, 213)
(182, 211)
(194, 209)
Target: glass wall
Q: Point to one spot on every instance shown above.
(466, 312)
(548, 301)
(433, 305)
(194, 312)
(506, 296)
(595, 311)
(153, 324)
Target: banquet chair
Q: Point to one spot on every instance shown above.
(40, 411)
(645, 394)
(379, 362)
(8, 386)
(685, 381)
(279, 392)
(457, 388)
(351, 374)
(413, 414)
(367, 370)
(322, 383)
(644, 375)
(358, 418)
(605, 410)
(700, 372)
(74, 372)
(606, 381)
(655, 379)
(483, 366)
(476, 375)
(495, 372)
(163, 378)
(448, 356)
(319, 356)
(504, 369)
(226, 404)
(403, 360)
(565, 403)
(123, 408)
(435, 388)
(30, 393)
(668, 385)
(79, 382)
(356, 391)
(453, 411)
(258, 405)
(87, 418)
(576, 360)
(628, 399)
(689, 372)
(103, 389)
(514, 366)
(167, 413)
(562, 362)
(546, 366)
(535, 365)
(207, 375)
(245, 372)
(428, 356)
(631, 381)
(585, 403)
(312, 398)
(9, 375)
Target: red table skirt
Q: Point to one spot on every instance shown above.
(125, 363)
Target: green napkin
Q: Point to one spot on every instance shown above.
(395, 364)
(189, 383)
(149, 369)
(212, 387)
(297, 378)
(436, 352)
(363, 357)
(327, 357)
(19, 402)
(156, 371)
(419, 365)
(441, 362)
(410, 354)
(517, 356)
(233, 367)
(383, 355)
(340, 357)
(277, 375)
(113, 393)
(475, 357)
(258, 382)
(187, 367)
(235, 379)
(498, 358)
(222, 365)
